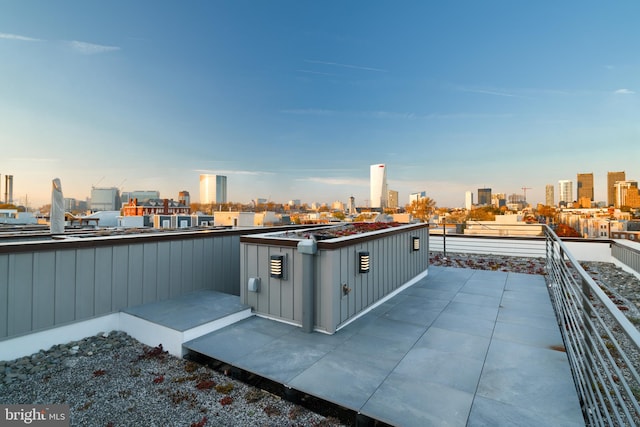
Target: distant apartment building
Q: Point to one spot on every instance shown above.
(498, 200)
(484, 196)
(392, 199)
(612, 178)
(154, 207)
(416, 197)
(378, 184)
(549, 199)
(140, 195)
(468, 200)
(213, 189)
(565, 192)
(105, 199)
(337, 206)
(516, 202)
(184, 198)
(70, 204)
(585, 189)
(295, 202)
(626, 194)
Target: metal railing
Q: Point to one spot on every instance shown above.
(602, 345)
(626, 254)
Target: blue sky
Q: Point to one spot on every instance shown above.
(295, 99)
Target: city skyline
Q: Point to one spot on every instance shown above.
(294, 100)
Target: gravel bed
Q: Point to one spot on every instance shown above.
(113, 380)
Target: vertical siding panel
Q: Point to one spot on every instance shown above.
(149, 272)
(217, 263)
(352, 259)
(85, 275)
(103, 280)
(65, 299)
(43, 289)
(262, 262)
(287, 291)
(198, 265)
(275, 287)
(163, 269)
(120, 275)
(4, 294)
(20, 293)
(345, 279)
(175, 269)
(135, 277)
(223, 278)
(207, 257)
(244, 293)
(232, 276)
(187, 266)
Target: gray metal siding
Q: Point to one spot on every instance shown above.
(392, 264)
(103, 281)
(20, 293)
(65, 288)
(44, 265)
(46, 288)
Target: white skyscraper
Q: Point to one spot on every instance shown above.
(213, 189)
(468, 200)
(565, 191)
(379, 192)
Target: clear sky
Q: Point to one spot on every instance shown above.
(295, 99)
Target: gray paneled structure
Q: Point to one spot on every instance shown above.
(340, 292)
(55, 282)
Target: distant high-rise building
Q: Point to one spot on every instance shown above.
(549, 199)
(415, 197)
(565, 191)
(213, 189)
(484, 196)
(468, 200)
(105, 199)
(612, 178)
(8, 189)
(499, 200)
(585, 186)
(352, 205)
(184, 198)
(70, 204)
(622, 189)
(378, 179)
(392, 199)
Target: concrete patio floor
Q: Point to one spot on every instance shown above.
(460, 347)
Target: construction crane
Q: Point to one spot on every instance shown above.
(525, 192)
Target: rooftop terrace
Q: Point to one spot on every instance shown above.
(455, 346)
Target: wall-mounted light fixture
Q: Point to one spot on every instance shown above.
(276, 266)
(363, 262)
(415, 243)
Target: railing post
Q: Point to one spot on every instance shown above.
(444, 238)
